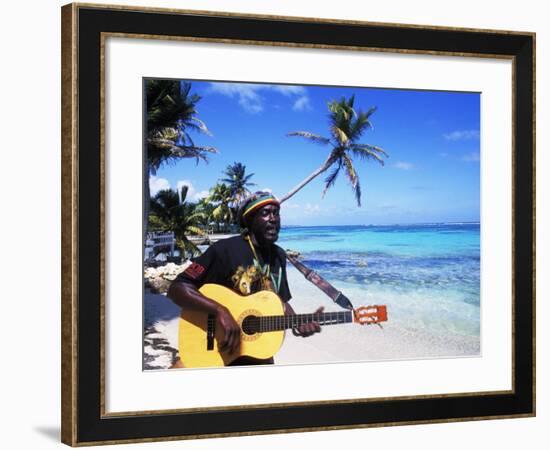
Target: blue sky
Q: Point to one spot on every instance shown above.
(432, 138)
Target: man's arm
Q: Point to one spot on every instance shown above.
(306, 329)
(186, 296)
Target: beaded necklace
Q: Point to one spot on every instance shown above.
(266, 268)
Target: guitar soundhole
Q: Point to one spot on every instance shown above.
(250, 325)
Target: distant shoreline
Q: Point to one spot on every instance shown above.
(412, 224)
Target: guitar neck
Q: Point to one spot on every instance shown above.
(277, 323)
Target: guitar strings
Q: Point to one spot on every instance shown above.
(258, 324)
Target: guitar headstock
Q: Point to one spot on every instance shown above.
(370, 314)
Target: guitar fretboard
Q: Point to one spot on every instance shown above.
(263, 324)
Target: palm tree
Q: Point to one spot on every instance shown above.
(346, 127)
(171, 115)
(220, 194)
(237, 180)
(171, 212)
(207, 208)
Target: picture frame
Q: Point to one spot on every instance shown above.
(85, 420)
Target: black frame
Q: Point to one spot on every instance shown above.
(83, 421)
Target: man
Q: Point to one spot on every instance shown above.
(246, 263)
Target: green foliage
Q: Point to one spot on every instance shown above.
(171, 212)
(237, 180)
(220, 196)
(171, 115)
(207, 208)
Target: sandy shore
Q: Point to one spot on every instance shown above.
(348, 342)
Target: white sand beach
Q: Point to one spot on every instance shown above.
(346, 342)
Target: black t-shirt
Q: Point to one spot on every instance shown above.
(232, 263)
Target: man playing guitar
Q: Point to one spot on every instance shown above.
(247, 263)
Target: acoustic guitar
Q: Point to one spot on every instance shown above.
(262, 321)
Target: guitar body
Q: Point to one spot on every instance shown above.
(199, 337)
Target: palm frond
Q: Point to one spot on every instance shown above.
(185, 139)
(199, 125)
(187, 151)
(370, 111)
(310, 136)
(161, 143)
(331, 179)
(357, 190)
(373, 148)
(186, 245)
(185, 88)
(156, 223)
(359, 126)
(166, 198)
(196, 220)
(196, 230)
(350, 170)
(366, 151)
(245, 180)
(167, 133)
(339, 135)
(353, 177)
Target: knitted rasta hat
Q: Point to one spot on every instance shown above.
(254, 202)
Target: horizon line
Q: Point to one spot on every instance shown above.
(463, 222)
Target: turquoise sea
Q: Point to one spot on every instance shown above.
(427, 274)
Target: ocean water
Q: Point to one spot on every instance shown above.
(428, 275)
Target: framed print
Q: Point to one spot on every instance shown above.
(280, 224)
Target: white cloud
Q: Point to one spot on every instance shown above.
(249, 98)
(157, 184)
(312, 209)
(302, 104)
(289, 206)
(247, 94)
(471, 157)
(296, 210)
(289, 90)
(200, 195)
(462, 135)
(403, 165)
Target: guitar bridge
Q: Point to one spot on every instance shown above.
(210, 332)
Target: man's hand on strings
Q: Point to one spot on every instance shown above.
(231, 331)
(308, 329)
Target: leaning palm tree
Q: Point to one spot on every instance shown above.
(171, 115)
(346, 127)
(171, 212)
(237, 180)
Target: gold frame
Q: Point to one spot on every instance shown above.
(70, 96)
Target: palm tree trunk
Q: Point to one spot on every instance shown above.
(330, 160)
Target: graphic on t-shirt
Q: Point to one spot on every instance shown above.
(251, 279)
